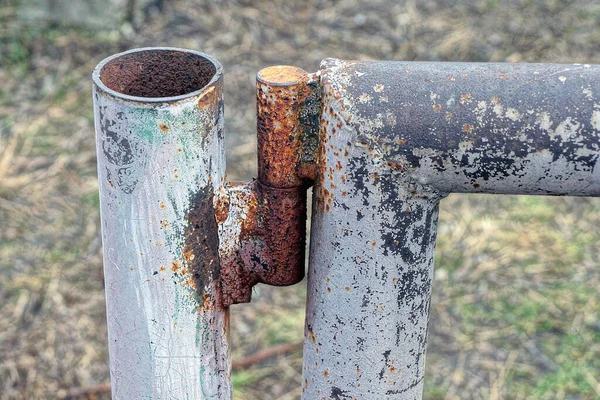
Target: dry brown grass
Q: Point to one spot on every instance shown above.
(515, 312)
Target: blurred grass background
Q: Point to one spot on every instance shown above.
(516, 302)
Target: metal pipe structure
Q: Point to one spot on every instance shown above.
(382, 142)
(395, 138)
(160, 147)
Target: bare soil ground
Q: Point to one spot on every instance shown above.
(516, 305)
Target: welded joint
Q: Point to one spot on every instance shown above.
(262, 224)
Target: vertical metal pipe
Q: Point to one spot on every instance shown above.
(159, 129)
(370, 272)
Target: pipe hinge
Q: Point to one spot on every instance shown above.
(262, 224)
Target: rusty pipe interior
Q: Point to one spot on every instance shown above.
(156, 73)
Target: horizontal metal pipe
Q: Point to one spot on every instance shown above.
(160, 146)
(473, 127)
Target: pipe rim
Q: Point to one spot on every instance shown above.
(96, 76)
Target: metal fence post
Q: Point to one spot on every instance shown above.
(370, 273)
(395, 137)
(159, 127)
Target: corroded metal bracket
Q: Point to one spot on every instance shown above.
(262, 224)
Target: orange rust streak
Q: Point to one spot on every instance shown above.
(210, 98)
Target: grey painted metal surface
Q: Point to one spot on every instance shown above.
(476, 127)
(160, 159)
(396, 137)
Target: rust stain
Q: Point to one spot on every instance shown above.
(282, 228)
(236, 279)
(188, 256)
(467, 128)
(271, 241)
(250, 224)
(164, 127)
(201, 250)
(395, 165)
(222, 208)
(312, 337)
(465, 98)
(209, 98)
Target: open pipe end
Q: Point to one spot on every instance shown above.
(281, 75)
(153, 73)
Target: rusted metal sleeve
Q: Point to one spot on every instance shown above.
(262, 237)
(288, 106)
(160, 146)
(282, 227)
(474, 127)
